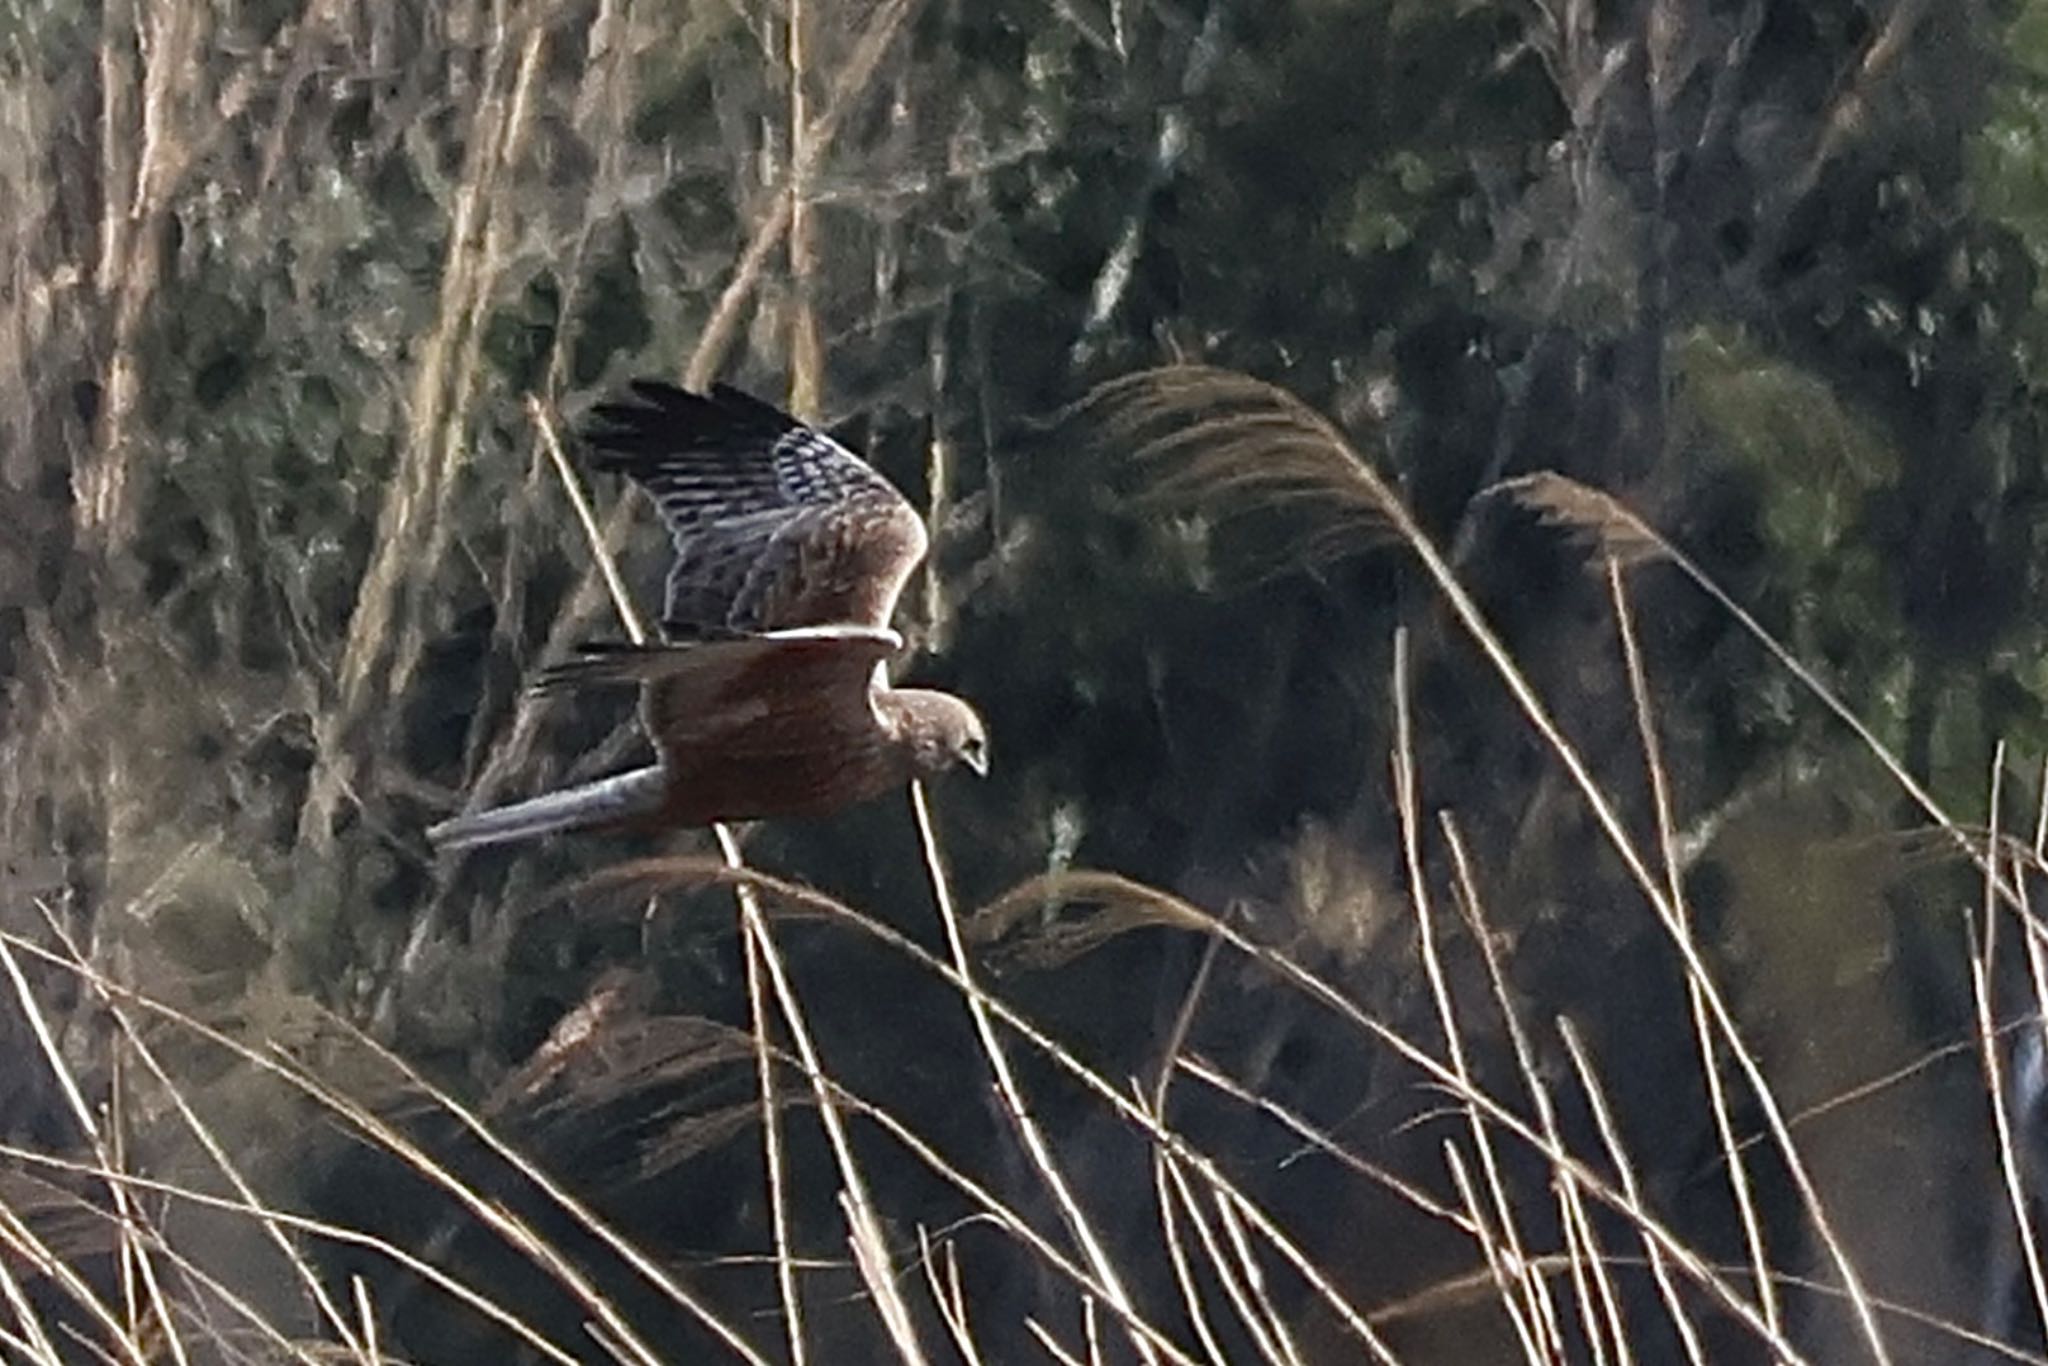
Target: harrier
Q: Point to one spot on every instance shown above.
(769, 696)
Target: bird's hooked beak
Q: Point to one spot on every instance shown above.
(975, 756)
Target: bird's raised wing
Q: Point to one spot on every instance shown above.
(773, 695)
(776, 525)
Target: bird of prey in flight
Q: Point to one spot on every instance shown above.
(768, 695)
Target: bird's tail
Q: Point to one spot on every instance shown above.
(608, 801)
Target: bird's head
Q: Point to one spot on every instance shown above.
(941, 731)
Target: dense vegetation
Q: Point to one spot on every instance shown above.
(1405, 826)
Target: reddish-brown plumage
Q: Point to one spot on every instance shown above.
(772, 698)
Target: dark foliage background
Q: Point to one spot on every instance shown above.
(292, 293)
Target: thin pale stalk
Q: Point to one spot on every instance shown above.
(586, 517)
(870, 1251)
(623, 1247)
(33, 1342)
(1611, 824)
(852, 81)
(17, 1237)
(947, 1295)
(367, 1316)
(1579, 1260)
(1027, 1130)
(806, 346)
(1667, 844)
(1255, 1275)
(1407, 804)
(1466, 895)
(771, 1149)
(1002, 1215)
(1051, 1344)
(1983, 957)
(1492, 1255)
(1177, 1258)
(1617, 1152)
(1321, 1141)
(1227, 1273)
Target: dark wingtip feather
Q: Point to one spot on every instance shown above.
(655, 417)
(747, 408)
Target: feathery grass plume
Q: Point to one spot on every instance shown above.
(1029, 929)
(1238, 450)
(1596, 520)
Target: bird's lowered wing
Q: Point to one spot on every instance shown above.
(749, 696)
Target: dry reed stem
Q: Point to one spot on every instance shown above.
(371, 1351)
(142, 155)
(1051, 1344)
(771, 1151)
(806, 344)
(1590, 1290)
(1002, 1215)
(1982, 957)
(799, 895)
(1177, 1258)
(1171, 1057)
(1465, 895)
(870, 1251)
(336, 1233)
(1228, 1215)
(1667, 846)
(1014, 1105)
(1850, 108)
(1617, 1153)
(291, 1348)
(1206, 1072)
(466, 374)
(948, 1296)
(296, 1259)
(1188, 392)
(1222, 1266)
(1407, 805)
(1463, 1289)
(1544, 1141)
(598, 1228)
(938, 483)
(871, 1259)
(1492, 1255)
(215, 1151)
(33, 1342)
